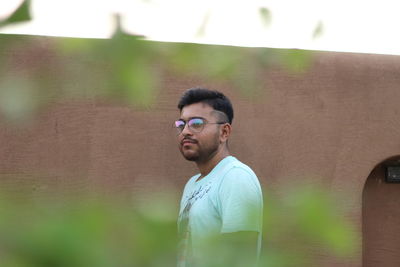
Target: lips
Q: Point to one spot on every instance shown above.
(188, 141)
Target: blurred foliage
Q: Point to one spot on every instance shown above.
(266, 16)
(21, 14)
(31, 76)
(202, 29)
(296, 60)
(95, 230)
(85, 231)
(319, 29)
(125, 67)
(305, 222)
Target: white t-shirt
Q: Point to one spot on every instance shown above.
(227, 200)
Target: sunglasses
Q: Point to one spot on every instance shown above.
(195, 124)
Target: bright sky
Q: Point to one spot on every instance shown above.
(368, 26)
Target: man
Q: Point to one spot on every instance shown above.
(222, 203)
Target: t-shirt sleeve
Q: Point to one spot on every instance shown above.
(240, 202)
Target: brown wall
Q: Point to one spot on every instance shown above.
(330, 125)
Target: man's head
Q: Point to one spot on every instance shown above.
(204, 125)
(214, 99)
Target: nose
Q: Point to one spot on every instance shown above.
(186, 130)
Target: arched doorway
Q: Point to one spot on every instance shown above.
(381, 216)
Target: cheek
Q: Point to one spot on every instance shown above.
(212, 138)
(179, 138)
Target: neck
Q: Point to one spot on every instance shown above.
(205, 167)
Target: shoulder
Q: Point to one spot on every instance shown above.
(191, 182)
(238, 166)
(239, 170)
(240, 176)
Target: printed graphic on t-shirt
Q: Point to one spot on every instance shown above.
(184, 246)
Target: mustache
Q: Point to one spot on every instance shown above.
(188, 140)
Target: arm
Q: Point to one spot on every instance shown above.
(241, 212)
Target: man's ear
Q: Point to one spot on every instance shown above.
(226, 130)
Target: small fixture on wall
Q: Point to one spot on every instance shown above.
(392, 174)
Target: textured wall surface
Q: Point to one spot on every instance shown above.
(330, 125)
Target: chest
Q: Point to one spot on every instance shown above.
(200, 206)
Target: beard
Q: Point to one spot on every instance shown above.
(199, 152)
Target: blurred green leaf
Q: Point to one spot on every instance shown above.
(18, 99)
(140, 84)
(266, 16)
(319, 219)
(302, 220)
(74, 45)
(219, 61)
(296, 60)
(202, 29)
(21, 14)
(318, 31)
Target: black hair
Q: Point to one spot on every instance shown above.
(215, 99)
